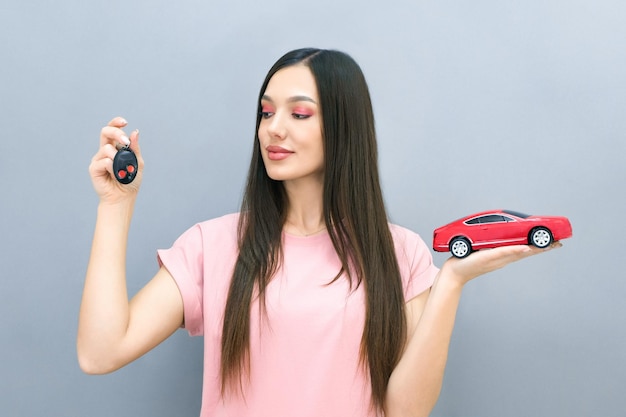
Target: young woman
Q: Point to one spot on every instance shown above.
(309, 301)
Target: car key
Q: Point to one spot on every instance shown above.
(125, 165)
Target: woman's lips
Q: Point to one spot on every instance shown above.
(276, 153)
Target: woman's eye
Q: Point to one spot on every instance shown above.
(300, 112)
(266, 114)
(267, 111)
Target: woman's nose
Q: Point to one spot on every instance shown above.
(276, 126)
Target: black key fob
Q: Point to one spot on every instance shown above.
(125, 165)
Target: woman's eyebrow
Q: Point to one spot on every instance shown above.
(290, 99)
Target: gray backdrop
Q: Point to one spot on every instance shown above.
(482, 104)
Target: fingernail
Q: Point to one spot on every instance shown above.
(125, 140)
(123, 120)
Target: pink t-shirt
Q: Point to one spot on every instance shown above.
(305, 354)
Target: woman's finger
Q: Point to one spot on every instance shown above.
(105, 153)
(115, 135)
(134, 141)
(134, 146)
(118, 122)
(101, 167)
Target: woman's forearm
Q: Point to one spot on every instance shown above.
(415, 383)
(104, 311)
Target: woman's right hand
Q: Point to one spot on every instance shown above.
(101, 168)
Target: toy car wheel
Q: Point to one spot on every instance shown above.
(460, 247)
(541, 237)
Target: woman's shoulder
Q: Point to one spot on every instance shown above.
(403, 234)
(227, 221)
(408, 243)
(212, 231)
(222, 227)
(414, 260)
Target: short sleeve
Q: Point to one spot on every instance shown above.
(184, 261)
(415, 262)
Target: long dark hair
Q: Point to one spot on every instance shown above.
(354, 214)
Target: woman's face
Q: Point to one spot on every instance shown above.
(290, 132)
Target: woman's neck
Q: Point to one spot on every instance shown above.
(305, 213)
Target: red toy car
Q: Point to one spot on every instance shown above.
(490, 229)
